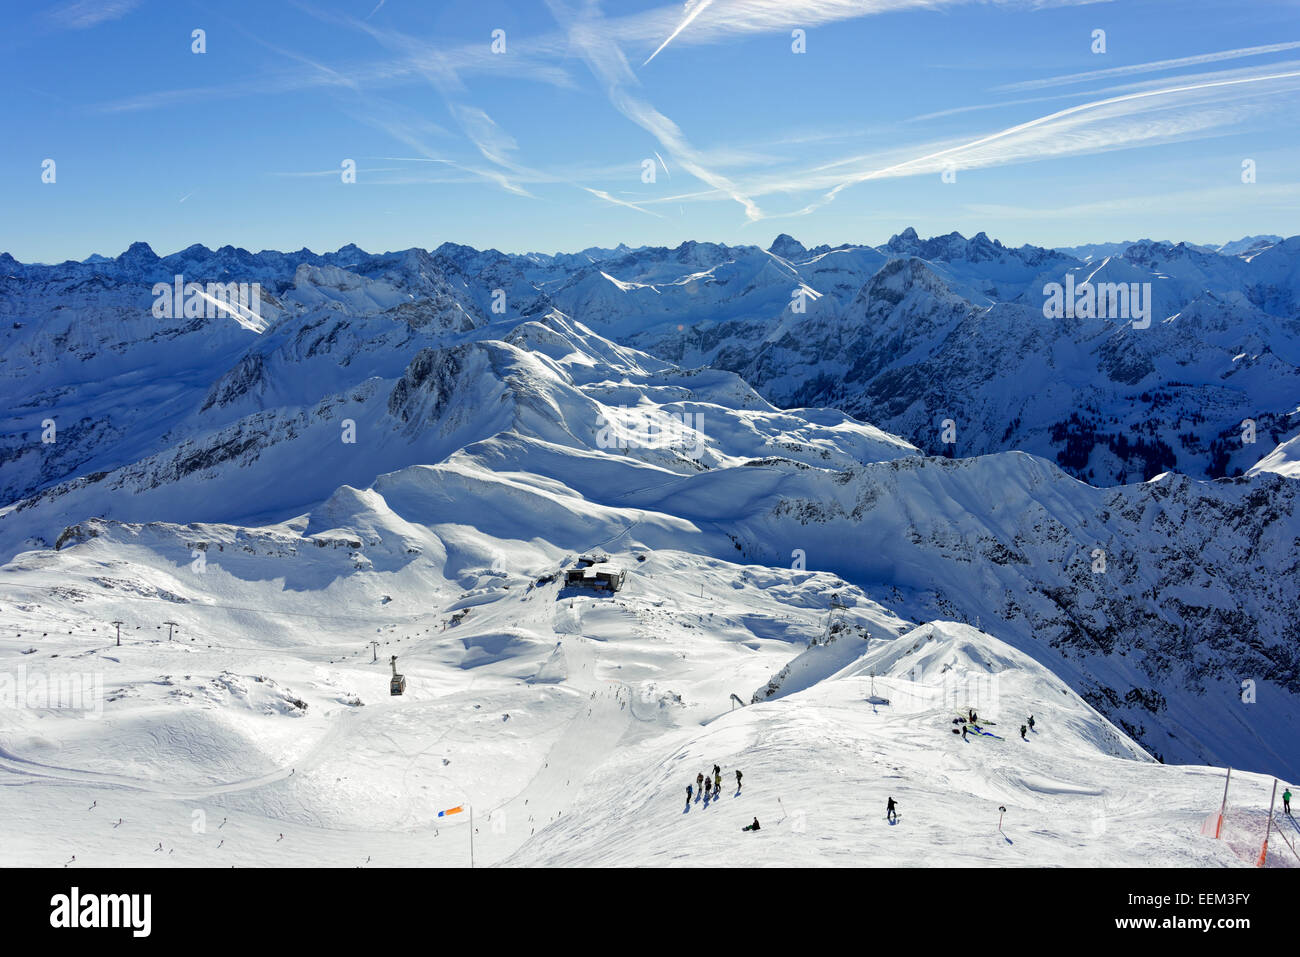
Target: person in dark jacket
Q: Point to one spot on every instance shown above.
(690, 793)
(890, 813)
(751, 827)
(738, 779)
(1031, 722)
(1022, 733)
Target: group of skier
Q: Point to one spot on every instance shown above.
(710, 785)
(970, 722)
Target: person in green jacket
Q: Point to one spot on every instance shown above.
(1286, 801)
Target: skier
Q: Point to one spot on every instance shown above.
(890, 813)
(690, 793)
(964, 729)
(1286, 801)
(699, 783)
(1022, 733)
(751, 827)
(717, 771)
(717, 781)
(1031, 722)
(737, 779)
(972, 715)
(706, 788)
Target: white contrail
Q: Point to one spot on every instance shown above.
(694, 12)
(619, 202)
(1151, 67)
(605, 59)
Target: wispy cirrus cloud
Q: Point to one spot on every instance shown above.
(492, 142)
(1145, 118)
(537, 65)
(1279, 195)
(84, 14)
(407, 129)
(1146, 113)
(540, 58)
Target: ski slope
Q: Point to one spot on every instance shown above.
(571, 725)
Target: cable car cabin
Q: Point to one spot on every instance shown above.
(397, 685)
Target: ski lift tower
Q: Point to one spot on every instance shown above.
(836, 609)
(398, 684)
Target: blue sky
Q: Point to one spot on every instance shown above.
(541, 147)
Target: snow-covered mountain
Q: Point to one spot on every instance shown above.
(1208, 388)
(1246, 246)
(411, 447)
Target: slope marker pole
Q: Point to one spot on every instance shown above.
(1263, 851)
(1218, 828)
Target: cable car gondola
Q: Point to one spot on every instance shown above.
(398, 684)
